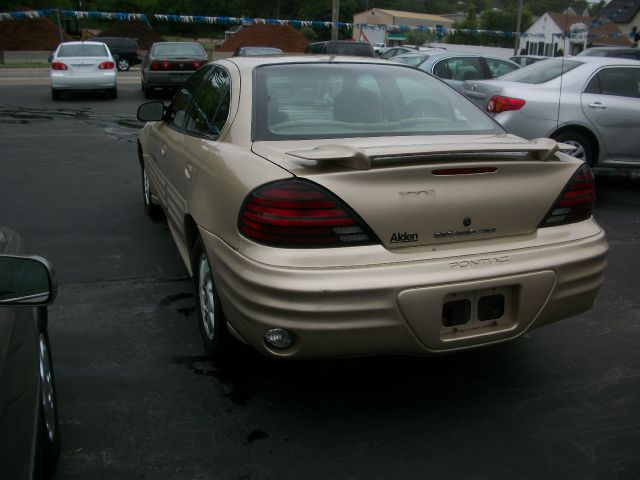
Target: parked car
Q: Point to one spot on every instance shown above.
(619, 52)
(592, 103)
(256, 51)
(344, 206)
(82, 66)
(378, 47)
(400, 50)
(126, 51)
(170, 64)
(341, 47)
(30, 439)
(525, 60)
(454, 68)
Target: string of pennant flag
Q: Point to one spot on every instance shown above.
(318, 24)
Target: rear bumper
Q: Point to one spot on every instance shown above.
(397, 308)
(78, 82)
(165, 79)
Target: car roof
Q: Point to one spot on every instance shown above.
(605, 60)
(249, 63)
(76, 42)
(175, 43)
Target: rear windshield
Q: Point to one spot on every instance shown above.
(82, 50)
(541, 72)
(178, 50)
(350, 48)
(332, 100)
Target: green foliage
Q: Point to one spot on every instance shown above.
(309, 33)
(420, 38)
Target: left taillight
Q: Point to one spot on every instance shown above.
(575, 202)
(106, 66)
(58, 66)
(499, 104)
(299, 213)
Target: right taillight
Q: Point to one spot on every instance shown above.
(499, 104)
(299, 213)
(58, 66)
(575, 202)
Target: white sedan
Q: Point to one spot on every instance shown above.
(83, 66)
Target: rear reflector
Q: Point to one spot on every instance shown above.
(576, 201)
(106, 66)
(499, 104)
(58, 66)
(299, 213)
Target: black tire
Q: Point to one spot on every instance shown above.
(55, 94)
(212, 323)
(585, 149)
(48, 452)
(153, 210)
(148, 92)
(123, 64)
(113, 93)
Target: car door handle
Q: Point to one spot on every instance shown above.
(163, 150)
(597, 105)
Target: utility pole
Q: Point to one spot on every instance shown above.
(517, 44)
(335, 16)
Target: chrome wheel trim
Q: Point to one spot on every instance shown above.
(207, 300)
(47, 389)
(146, 186)
(579, 152)
(123, 64)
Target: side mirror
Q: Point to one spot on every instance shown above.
(151, 112)
(26, 281)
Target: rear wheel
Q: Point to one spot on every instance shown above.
(211, 320)
(55, 94)
(148, 92)
(152, 209)
(113, 93)
(584, 148)
(123, 64)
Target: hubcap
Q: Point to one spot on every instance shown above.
(123, 64)
(579, 152)
(146, 186)
(207, 300)
(46, 381)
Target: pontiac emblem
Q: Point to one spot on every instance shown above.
(466, 222)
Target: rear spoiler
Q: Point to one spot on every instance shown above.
(541, 149)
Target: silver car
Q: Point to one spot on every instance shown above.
(454, 68)
(82, 66)
(592, 103)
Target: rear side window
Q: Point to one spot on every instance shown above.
(621, 82)
(499, 67)
(459, 68)
(82, 50)
(182, 99)
(210, 107)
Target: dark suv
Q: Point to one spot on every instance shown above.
(125, 51)
(342, 47)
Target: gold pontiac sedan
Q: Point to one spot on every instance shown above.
(334, 206)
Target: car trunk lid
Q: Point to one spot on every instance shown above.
(433, 190)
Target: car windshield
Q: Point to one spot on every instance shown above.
(321, 100)
(411, 60)
(177, 50)
(82, 50)
(541, 72)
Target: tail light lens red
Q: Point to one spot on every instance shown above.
(499, 104)
(106, 66)
(197, 65)
(299, 213)
(58, 66)
(576, 201)
(160, 65)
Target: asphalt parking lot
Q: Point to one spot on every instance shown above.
(139, 399)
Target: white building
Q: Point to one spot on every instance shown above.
(570, 33)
